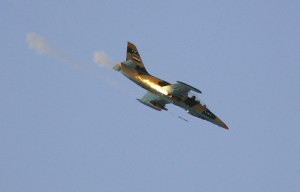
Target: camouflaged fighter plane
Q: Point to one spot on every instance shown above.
(161, 92)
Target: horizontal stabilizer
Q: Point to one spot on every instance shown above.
(117, 67)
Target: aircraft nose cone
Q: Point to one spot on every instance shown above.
(221, 123)
(225, 126)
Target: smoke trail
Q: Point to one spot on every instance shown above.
(101, 59)
(39, 44)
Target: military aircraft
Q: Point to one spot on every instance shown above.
(161, 92)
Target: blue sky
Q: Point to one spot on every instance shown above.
(66, 128)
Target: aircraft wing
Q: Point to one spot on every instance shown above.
(181, 89)
(154, 101)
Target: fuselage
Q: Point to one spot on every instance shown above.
(163, 89)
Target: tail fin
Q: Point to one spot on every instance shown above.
(133, 54)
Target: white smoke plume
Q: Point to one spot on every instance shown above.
(101, 59)
(39, 44)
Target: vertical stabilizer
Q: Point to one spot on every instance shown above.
(133, 55)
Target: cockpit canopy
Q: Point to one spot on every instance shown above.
(193, 98)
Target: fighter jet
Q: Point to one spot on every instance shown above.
(160, 93)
